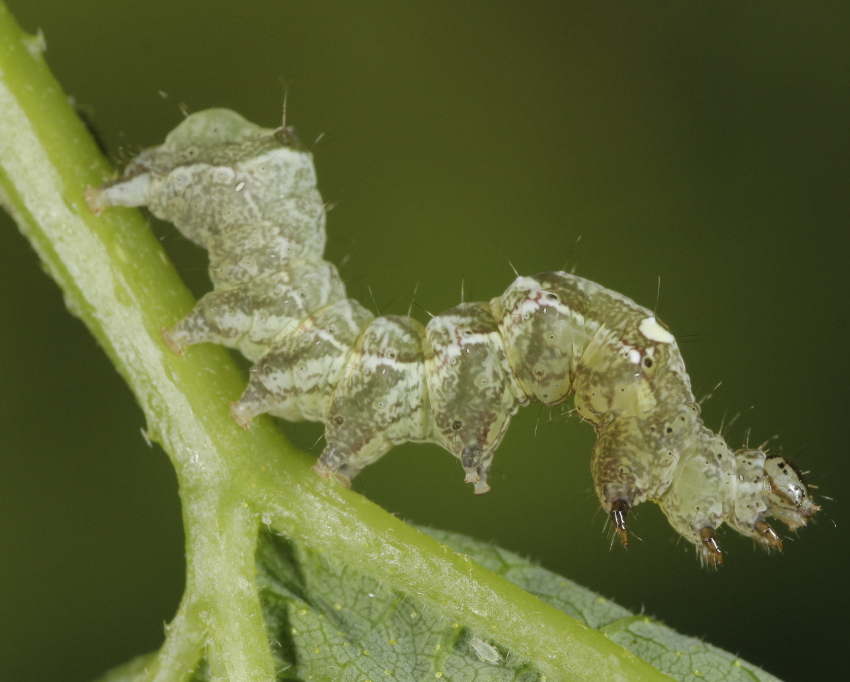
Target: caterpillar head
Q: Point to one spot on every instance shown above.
(769, 486)
(787, 494)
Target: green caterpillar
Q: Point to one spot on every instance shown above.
(248, 195)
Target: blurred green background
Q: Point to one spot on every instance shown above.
(705, 146)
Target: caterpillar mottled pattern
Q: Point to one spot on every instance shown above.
(248, 195)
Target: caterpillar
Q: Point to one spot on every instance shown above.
(248, 195)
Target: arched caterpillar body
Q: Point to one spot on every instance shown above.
(248, 195)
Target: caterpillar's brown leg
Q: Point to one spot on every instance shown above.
(619, 511)
(710, 550)
(768, 534)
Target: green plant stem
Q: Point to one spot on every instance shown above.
(116, 278)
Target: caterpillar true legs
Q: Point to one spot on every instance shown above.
(248, 195)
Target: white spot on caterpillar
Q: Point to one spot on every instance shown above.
(240, 186)
(634, 356)
(650, 328)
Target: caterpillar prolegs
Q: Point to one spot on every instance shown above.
(248, 195)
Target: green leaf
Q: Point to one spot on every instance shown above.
(680, 656)
(677, 655)
(329, 621)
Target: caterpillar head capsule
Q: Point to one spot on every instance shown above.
(787, 493)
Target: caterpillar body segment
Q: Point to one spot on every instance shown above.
(472, 388)
(248, 195)
(250, 316)
(381, 398)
